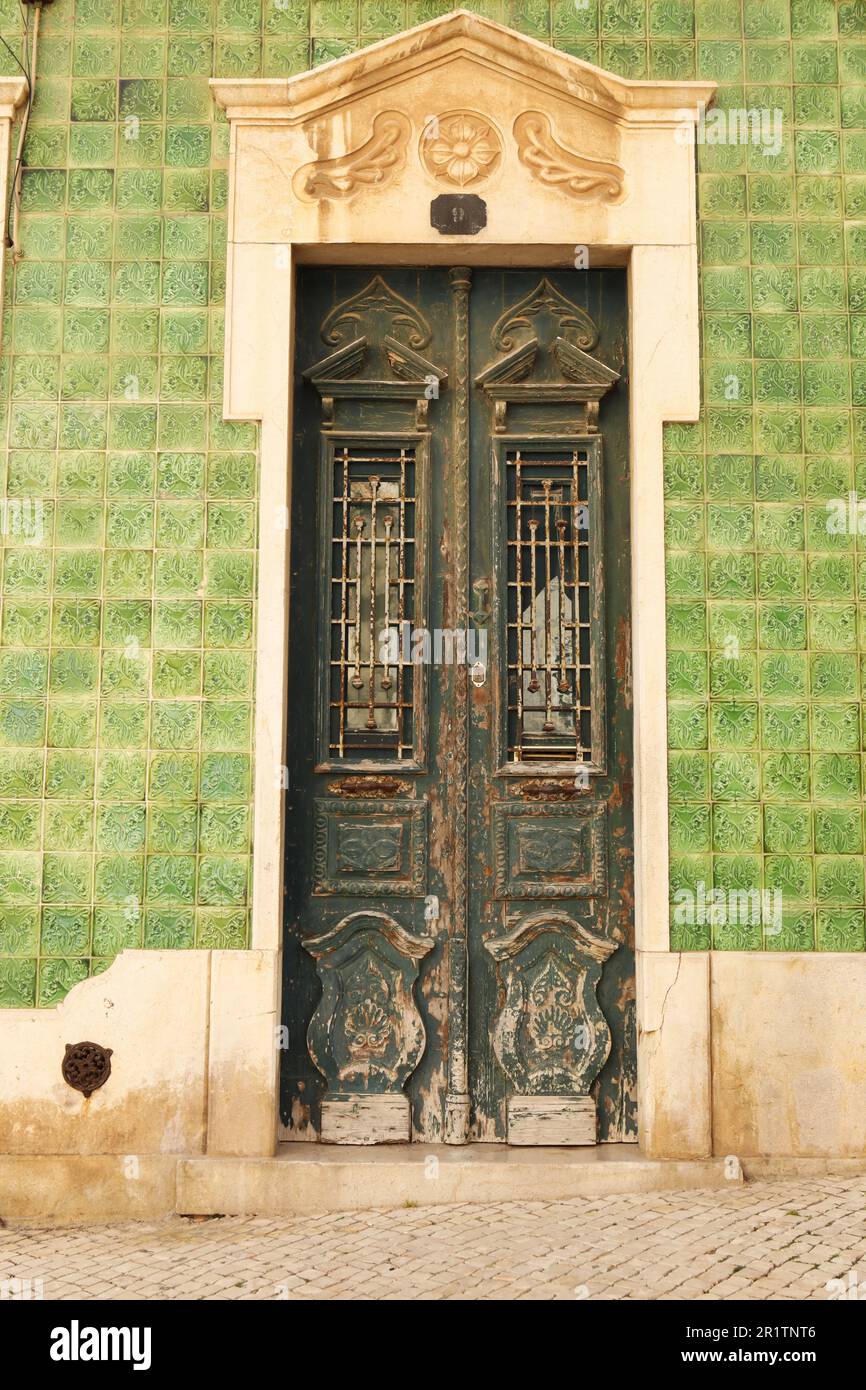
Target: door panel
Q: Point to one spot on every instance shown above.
(551, 943)
(458, 951)
(368, 814)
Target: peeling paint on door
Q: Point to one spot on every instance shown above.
(461, 483)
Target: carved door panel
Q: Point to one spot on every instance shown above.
(370, 804)
(551, 966)
(458, 959)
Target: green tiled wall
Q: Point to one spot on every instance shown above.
(126, 633)
(766, 605)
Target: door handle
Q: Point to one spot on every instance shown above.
(480, 617)
(481, 612)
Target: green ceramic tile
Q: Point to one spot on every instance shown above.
(839, 879)
(787, 829)
(56, 979)
(222, 929)
(166, 928)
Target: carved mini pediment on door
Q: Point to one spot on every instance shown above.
(360, 363)
(543, 339)
(384, 361)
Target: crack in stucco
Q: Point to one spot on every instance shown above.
(660, 1025)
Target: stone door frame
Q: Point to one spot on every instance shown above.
(329, 167)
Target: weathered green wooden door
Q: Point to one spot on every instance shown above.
(458, 906)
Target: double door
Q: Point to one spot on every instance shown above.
(458, 906)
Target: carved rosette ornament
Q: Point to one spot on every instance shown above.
(558, 167)
(551, 1037)
(371, 164)
(460, 148)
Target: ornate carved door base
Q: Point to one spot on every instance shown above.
(551, 1036)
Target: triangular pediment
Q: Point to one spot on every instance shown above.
(568, 363)
(477, 40)
(347, 365)
(463, 106)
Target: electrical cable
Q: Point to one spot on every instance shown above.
(28, 67)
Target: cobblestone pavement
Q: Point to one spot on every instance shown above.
(767, 1240)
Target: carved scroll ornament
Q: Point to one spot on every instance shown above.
(544, 301)
(377, 300)
(370, 786)
(381, 156)
(558, 167)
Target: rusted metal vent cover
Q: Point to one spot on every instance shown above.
(86, 1066)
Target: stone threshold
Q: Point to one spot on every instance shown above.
(313, 1179)
(304, 1179)
(308, 1179)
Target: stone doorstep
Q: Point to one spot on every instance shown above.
(305, 1180)
(344, 1179)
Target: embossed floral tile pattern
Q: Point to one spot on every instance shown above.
(766, 601)
(126, 631)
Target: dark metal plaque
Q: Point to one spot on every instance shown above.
(458, 214)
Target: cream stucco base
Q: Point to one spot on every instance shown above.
(674, 1079)
(304, 1179)
(752, 1054)
(194, 1058)
(758, 1056)
(87, 1189)
(789, 1054)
